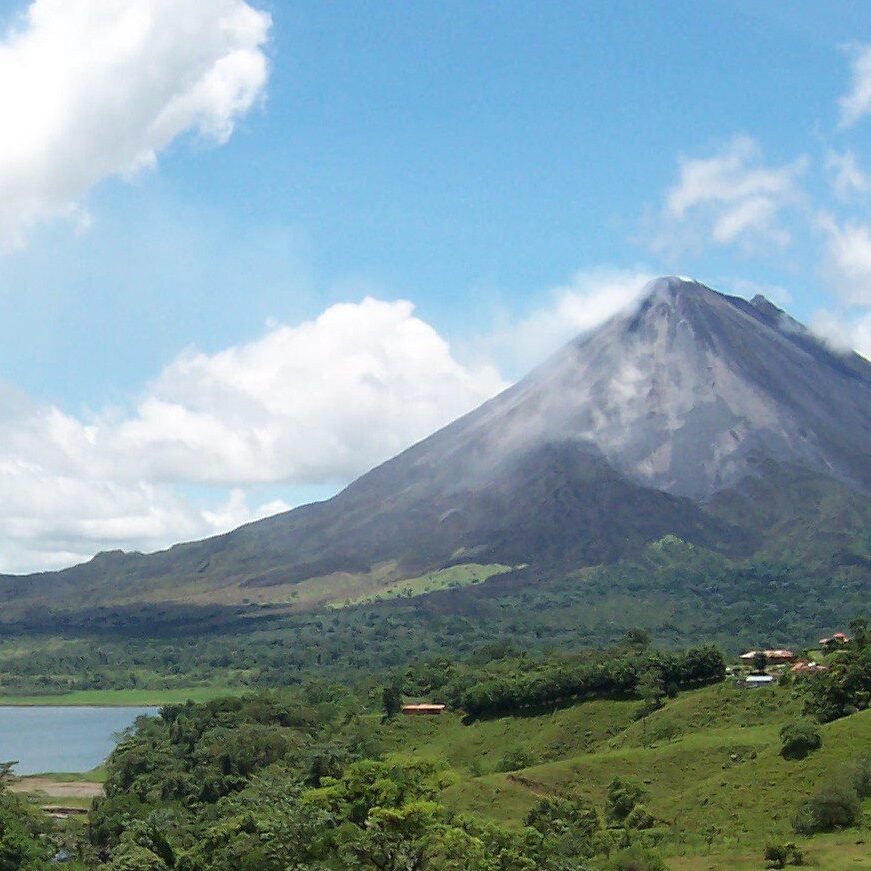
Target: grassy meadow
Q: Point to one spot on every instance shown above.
(120, 698)
(709, 760)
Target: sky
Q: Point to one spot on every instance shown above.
(248, 250)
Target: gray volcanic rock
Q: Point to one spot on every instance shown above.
(625, 435)
(688, 392)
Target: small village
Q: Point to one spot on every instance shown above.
(762, 667)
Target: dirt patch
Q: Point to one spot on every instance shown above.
(56, 788)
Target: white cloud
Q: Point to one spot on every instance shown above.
(844, 332)
(847, 270)
(848, 179)
(586, 301)
(95, 88)
(320, 402)
(848, 252)
(857, 102)
(729, 197)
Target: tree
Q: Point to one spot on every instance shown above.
(391, 700)
(563, 815)
(859, 632)
(20, 844)
(835, 806)
(798, 739)
(759, 661)
(6, 774)
(651, 690)
(638, 638)
(639, 818)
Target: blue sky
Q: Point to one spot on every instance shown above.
(511, 169)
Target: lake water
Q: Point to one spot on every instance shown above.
(61, 738)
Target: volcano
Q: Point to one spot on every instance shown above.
(704, 416)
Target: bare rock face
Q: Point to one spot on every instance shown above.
(687, 393)
(652, 424)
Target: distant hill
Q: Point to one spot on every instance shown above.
(719, 421)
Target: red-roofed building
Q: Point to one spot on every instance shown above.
(773, 657)
(422, 709)
(803, 667)
(836, 639)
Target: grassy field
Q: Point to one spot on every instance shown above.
(840, 851)
(95, 775)
(709, 759)
(444, 579)
(123, 698)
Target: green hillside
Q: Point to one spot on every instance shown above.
(622, 759)
(709, 760)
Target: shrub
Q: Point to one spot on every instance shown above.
(859, 774)
(775, 855)
(637, 858)
(515, 759)
(623, 794)
(781, 855)
(798, 739)
(639, 818)
(833, 807)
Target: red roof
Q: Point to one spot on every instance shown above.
(838, 636)
(422, 709)
(771, 654)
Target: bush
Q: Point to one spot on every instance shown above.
(639, 818)
(781, 855)
(859, 774)
(515, 759)
(623, 794)
(834, 807)
(775, 855)
(798, 739)
(637, 859)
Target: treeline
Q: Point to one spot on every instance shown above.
(618, 676)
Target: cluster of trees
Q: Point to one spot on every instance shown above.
(846, 686)
(608, 676)
(278, 781)
(25, 841)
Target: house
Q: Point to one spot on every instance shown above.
(836, 639)
(422, 709)
(773, 657)
(803, 667)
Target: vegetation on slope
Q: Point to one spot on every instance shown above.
(317, 777)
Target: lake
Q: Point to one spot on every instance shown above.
(61, 738)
